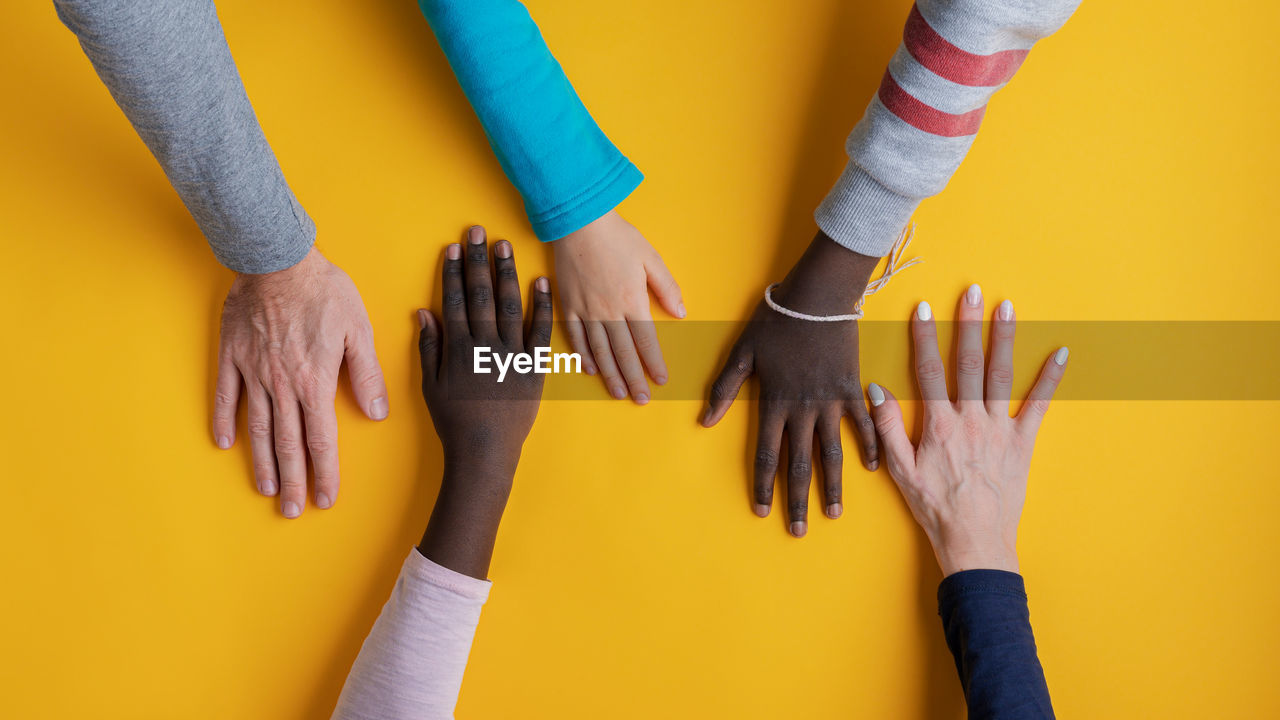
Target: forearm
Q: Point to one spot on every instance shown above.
(167, 64)
(464, 522)
(566, 169)
(988, 630)
(412, 663)
(920, 124)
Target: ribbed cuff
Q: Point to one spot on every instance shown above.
(970, 582)
(622, 178)
(863, 215)
(417, 567)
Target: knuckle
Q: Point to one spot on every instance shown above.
(930, 369)
(719, 390)
(481, 296)
(223, 399)
(287, 445)
(511, 308)
(969, 363)
(764, 494)
(259, 429)
(454, 299)
(766, 460)
(832, 453)
(478, 253)
(939, 424)
(1038, 406)
(1000, 375)
(800, 469)
(507, 271)
(319, 444)
(798, 508)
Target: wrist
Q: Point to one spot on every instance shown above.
(827, 280)
(958, 559)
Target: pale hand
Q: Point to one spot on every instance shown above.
(966, 481)
(604, 273)
(284, 337)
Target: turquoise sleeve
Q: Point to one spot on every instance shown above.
(568, 172)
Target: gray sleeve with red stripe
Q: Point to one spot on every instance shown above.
(955, 54)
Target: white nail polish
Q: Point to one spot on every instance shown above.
(1060, 357)
(1006, 310)
(923, 311)
(974, 296)
(876, 393)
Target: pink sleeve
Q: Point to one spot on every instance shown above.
(411, 664)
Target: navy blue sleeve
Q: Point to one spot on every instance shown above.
(988, 629)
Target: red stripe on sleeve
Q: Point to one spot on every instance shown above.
(923, 117)
(946, 60)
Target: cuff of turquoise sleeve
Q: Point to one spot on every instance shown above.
(956, 586)
(622, 178)
(418, 568)
(862, 215)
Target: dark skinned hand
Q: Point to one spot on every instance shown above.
(809, 380)
(482, 423)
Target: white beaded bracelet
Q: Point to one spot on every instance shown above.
(891, 268)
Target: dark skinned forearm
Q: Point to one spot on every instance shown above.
(827, 280)
(464, 522)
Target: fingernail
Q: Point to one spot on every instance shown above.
(422, 319)
(1006, 310)
(475, 235)
(543, 284)
(1060, 357)
(660, 379)
(267, 487)
(835, 510)
(378, 408)
(873, 465)
(680, 313)
(291, 510)
(617, 392)
(923, 311)
(322, 501)
(706, 418)
(589, 369)
(641, 399)
(453, 252)
(224, 442)
(503, 250)
(877, 394)
(974, 296)
(762, 510)
(799, 528)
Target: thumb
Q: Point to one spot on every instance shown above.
(899, 453)
(366, 374)
(664, 287)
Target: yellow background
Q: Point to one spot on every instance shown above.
(1129, 172)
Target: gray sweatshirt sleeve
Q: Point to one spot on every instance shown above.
(954, 55)
(167, 64)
